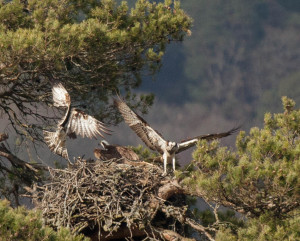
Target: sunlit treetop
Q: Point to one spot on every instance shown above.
(95, 48)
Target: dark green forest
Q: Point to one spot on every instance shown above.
(241, 54)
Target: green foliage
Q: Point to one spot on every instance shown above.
(145, 153)
(22, 224)
(260, 179)
(96, 48)
(264, 228)
(12, 15)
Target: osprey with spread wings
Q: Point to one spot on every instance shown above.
(155, 141)
(75, 122)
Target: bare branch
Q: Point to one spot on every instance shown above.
(15, 161)
(199, 228)
(170, 235)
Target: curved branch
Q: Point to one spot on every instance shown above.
(169, 189)
(199, 228)
(15, 161)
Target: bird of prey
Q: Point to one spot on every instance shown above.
(155, 141)
(75, 122)
(115, 151)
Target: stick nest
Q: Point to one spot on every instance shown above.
(104, 194)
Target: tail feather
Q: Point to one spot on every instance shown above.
(55, 144)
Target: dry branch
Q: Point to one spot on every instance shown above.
(170, 235)
(199, 228)
(15, 161)
(31, 169)
(169, 189)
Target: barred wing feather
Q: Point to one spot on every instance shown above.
(83, 124)
(56, 142)
(148, 135)
(186, 144)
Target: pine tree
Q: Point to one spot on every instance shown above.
(27, 225)
(260, 180)
(97, 49)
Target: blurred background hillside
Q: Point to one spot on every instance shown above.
(241, 58)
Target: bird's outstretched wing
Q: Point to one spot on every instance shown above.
(56, 143)
(61, 97)
(148, 135)
(185, 144)
(83, 124)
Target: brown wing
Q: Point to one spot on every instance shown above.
(83, 124)
(116, 152)
(148, 135)
(127, 153)
(185, 144)
(106, 154)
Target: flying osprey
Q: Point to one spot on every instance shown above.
(75, 122)
(155, 141)
(114, 151)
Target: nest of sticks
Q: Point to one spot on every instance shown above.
(103, 195)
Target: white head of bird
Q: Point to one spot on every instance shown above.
(172, 146)
(104, 144)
